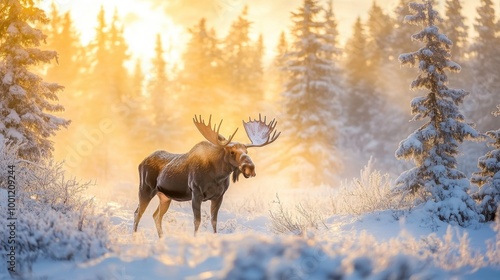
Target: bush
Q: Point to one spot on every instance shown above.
(54, 219)
(295, 221)
(370, 192)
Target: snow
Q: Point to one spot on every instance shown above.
(373, 245)
(8, 78)
(17, 90)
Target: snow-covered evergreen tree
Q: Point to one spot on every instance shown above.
(486, 66)
(455, 29)
(380, 28)
(243, 61)
(356, 66)
(400, 43)
(361, 103)
(280, 61)
(27, 102)
(434, 146)
(488, 178)
(308, 98)
(332, 50)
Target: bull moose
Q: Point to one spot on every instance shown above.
(202, 173)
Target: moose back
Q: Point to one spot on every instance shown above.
(201, 174)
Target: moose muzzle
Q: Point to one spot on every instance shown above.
(246, 166)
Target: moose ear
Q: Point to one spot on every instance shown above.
(236, 175)
(221, 138)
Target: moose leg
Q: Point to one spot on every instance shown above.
(196, 204)
(145, 197)
(214, 211)
(160, 212)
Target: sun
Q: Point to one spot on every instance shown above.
(141, 22)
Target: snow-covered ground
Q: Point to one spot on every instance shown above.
(384, 244)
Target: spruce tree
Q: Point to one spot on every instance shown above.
(63, 38)
(159, 85)
(456, 29)
(400, 43)
(280, 59)
(379, 27)
(361, 102)
(241, 58)
(27, 101)
(137, 80)
(118, 50)
(488, 178)
(202, 79)
(308, 96)
(276, 71)
(332, 50)
(434, 146)
(486, 61)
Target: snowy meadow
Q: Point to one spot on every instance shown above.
(333, 196)
(266, 231)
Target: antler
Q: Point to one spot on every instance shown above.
(259, 132)
(212, 135)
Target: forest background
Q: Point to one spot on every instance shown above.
(126, 104)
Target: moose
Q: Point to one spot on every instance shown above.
(201, 174)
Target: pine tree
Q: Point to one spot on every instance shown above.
(97, 71)
(257, 66)
(357, 61)
(118, 50)
(27, 101)
(402, 32)
(488, 178)
(331, 51)
(331, 36)
(242, 57)
(202, 79)
(107, 90)
(280, 60)
(400, 43)
(486, 61)
(379, 27)
(456, 29)
(434, 146)
(63, 37)
(361, 103)
(159, 85)
(137, 80)
(308, 98)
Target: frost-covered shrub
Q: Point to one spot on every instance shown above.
(54, 219)
(295, 220)
(370, 192)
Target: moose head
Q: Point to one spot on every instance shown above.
(259, 132)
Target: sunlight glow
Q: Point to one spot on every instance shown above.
(141, 23)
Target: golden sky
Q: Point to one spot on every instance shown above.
(143, 19)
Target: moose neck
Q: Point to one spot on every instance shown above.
(214, 157)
